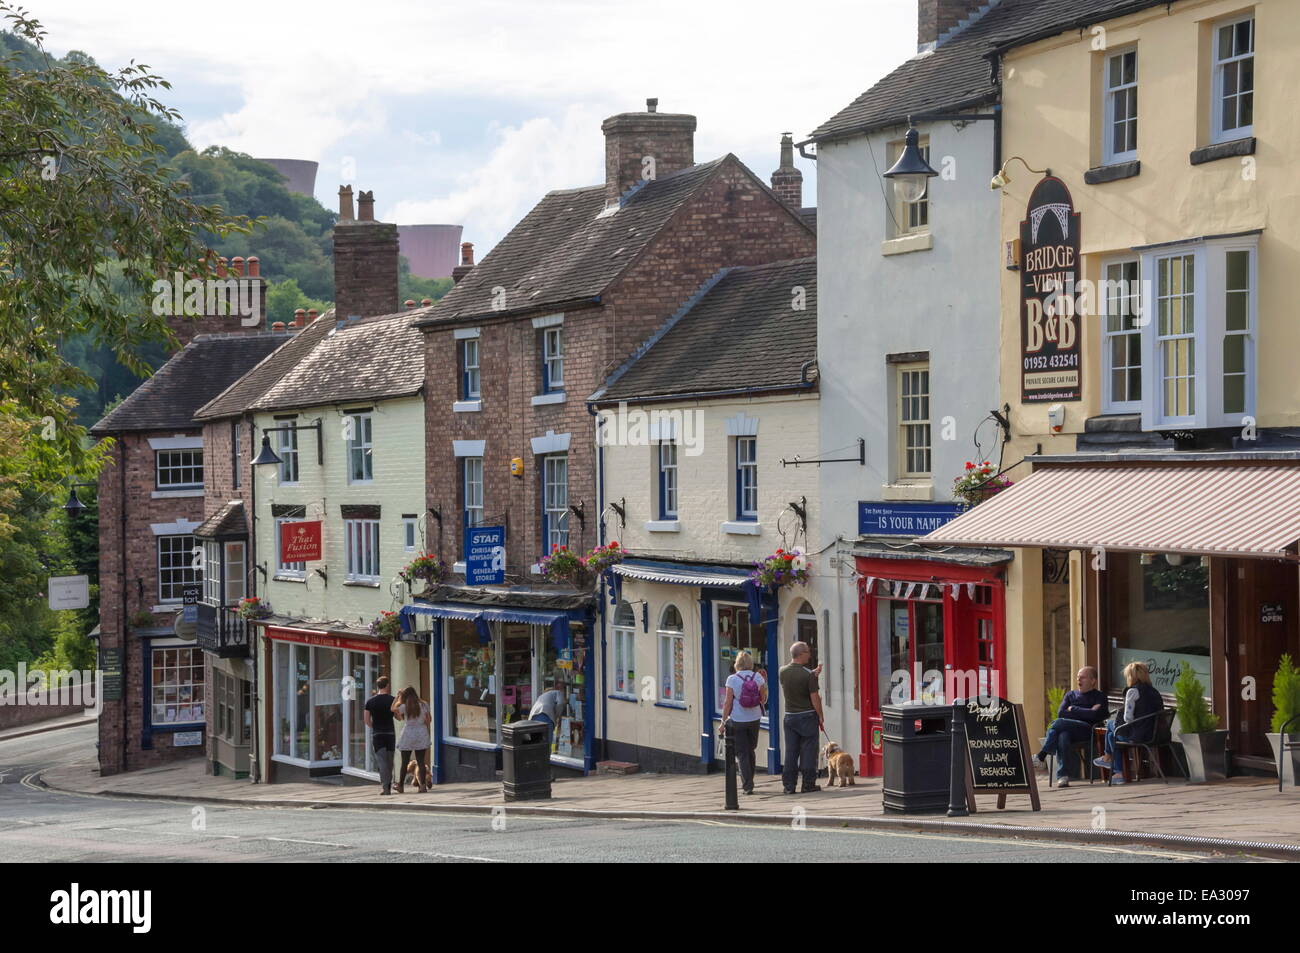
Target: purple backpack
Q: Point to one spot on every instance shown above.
(751, 696)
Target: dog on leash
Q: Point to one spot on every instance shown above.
(839, 764)
(417, 777)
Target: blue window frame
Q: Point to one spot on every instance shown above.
(746, 478)
(552, 360)
(469, 369)
(667, 480)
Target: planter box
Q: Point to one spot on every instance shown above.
(1289, 765)
(1205, 755)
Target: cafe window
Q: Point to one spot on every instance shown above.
(1233, 98)
(318, 712)
(177, 684)
(1158, 613)
(178, 566)
(1122, 349)
(1120, 142)
(672, 657)
(179, 469)
(733, 632)
(624, 675)
(913, 416)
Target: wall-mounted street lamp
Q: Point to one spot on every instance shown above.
(1001, 178)
(267, 456)
(74, 507)
(911, 174)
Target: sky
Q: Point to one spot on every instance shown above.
(467, 113)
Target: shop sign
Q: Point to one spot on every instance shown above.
(1165, 667)
(903, 519)
(1271, 612)
(190, 603)
(110, 666)
(565, 660)
(485, 555)
(300, 542)
(68, 592)
(1050, 323)
(187, 739)
(326, 639)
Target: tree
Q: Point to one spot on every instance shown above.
(84, 185)
(283, 298)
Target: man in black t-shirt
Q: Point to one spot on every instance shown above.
(383, 736)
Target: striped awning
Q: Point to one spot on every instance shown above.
(1198, 508)
(682, 574)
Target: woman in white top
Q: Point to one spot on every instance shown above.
(744, 719)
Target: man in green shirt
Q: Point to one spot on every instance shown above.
(801, 694)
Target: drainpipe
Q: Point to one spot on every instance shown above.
(839, 607)
(124, 702)
(600, 532)
(254, 760)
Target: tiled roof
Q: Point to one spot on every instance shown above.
(237, 398)
(193, 376)
(565, 250)
(956, 74)
(742, 331)
(370, 359)
(227, 521)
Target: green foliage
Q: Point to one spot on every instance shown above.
(1194, 717)
(1055, 696)
(1286, 693)
(285, 297)
(414, 288)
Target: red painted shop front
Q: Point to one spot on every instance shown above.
(928, 632)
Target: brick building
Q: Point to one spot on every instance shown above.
(512, 352)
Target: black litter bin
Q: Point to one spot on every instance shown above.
(526, 761)
(918, 755)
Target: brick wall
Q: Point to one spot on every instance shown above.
(630, 137)
(365, 268)
(936, 17)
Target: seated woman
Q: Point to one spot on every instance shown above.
(1140, 700)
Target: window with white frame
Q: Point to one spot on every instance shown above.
(667, 480)
(472, 490)
(236, 453)
(1234, 79)
(552, 359)
(746, 478)
(469, 369)
(361, 542)
(624, 675)
(178, 566)
(1122, 330)
(1199, 344)
(235, 564)
(361, 461)
(913, 415)
(555, 501)
(287, 450)
(177, 685)
(912, 217)
(1120, 135)
(180, 469)
(672, 657)
(236, 572)
(291, 570)
(410, 533)
(212, 573)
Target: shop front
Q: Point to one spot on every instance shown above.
(1187, 560)
(493, 653)
(932, 628)
(319, 683)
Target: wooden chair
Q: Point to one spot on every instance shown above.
(1161, 738)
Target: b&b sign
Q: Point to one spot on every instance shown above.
(300, 542)
(485, 555)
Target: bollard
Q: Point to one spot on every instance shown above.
(957, 774)
(729, 749)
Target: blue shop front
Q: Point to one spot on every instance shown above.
(494, 650)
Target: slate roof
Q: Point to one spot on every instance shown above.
(741, 331)
(201, 370)
(957, 74)
(237, 398)
(227, 521)
(566, 251)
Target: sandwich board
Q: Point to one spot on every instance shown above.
(996, 755)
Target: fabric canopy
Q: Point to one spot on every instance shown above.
(681, 574)
(1242, 509)
(481, 616)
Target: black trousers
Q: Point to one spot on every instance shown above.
(421, 757)
(745, 735)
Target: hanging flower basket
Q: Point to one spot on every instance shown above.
(426, 566)
(564, 566)
(978, 483)
(781, 569)
(602, 557)
(387, 626)
(254, 608)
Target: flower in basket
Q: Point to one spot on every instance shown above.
(253, 608)
(602, 557)
(781, 569)
(426, 566)
(563, 565)
(387, 626)
(978, 483)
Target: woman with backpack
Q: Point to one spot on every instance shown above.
(743, 707)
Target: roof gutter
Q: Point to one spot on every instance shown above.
(986, 99)
(572, 303)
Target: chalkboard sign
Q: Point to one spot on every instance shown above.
(997, 752)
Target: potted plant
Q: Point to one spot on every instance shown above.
(388, 625)
(562, 565)
(1286, 705)
(1204, 746)
(602, 557)
(142, 619)
(978, 483)
(426, 566)
(781, 569)
(1055, 696)
(253, 608)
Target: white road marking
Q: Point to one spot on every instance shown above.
(140, 830)
(316, 843)
(430, 853)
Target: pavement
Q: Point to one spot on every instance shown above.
(1239, 816)
(49, 724)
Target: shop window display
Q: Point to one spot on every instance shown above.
(734, 633)
(178, 689)
(1159, 614)
(563, 670)
(473, 703)
(327, 705)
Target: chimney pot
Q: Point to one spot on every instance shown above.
(298, 316)
(467, 253)
(221, 267)
(254, 266)
(366, 206)
(311, 315)
(277, 326)
(345, 204)
(652, 105)
(425, 302)
(787, 181)
(409, 303)
(237, 266)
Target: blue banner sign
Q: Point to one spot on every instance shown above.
(903, 519)
(485, 555)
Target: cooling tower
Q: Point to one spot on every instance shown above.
(432, 250)
(301, 173)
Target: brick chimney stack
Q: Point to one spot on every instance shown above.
(934, 18)
(233, 287)
(648, 144)
(787, 181)
(365, 260)
(466, 262)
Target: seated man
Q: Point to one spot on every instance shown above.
(1080, 710)
(1141, 700)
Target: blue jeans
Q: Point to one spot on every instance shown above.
(1116, 759)
(550, 728)
(1063, 733)
(800, 749)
